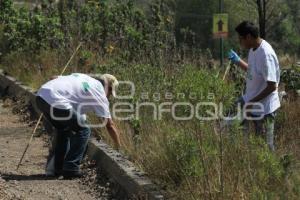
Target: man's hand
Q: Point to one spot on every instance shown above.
(112, 130)
(233, 56)
(237, 60)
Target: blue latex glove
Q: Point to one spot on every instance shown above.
(233, 56)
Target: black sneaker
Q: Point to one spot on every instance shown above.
(58, 172)
(72, 174)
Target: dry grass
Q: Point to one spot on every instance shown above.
(287, 60)
(288, 129)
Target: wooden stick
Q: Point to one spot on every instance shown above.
(28, 144)
(227, 70)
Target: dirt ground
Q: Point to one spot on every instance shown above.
(29, 182)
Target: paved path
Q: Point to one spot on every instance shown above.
(29, 182)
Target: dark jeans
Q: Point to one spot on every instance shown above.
(72, 138)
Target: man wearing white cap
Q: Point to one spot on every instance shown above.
(64, 101)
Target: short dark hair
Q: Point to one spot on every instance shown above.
(246, 28)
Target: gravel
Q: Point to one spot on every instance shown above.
(29, 182)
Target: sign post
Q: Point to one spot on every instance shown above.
(220, 25)
(220, 28)
(220, 31)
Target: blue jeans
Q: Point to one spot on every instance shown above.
(71, 139)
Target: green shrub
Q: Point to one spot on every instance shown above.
(183, 153)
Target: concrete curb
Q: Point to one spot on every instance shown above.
(136, 184)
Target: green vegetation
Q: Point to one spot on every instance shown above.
(166, 47)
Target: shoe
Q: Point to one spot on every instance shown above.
(54, 174)
(59, 173)
(72, 174)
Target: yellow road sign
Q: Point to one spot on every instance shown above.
(220, 25)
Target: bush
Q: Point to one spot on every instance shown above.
(31, 33)
(183, 152)
(291, 77)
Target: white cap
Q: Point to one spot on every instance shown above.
(111, 81)
(108, 79)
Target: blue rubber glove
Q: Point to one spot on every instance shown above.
(233, 56)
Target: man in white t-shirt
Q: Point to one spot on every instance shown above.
(64, 101)
(263, 76)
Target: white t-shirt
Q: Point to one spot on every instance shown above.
(263, 66)
(78, 91)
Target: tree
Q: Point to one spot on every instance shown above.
(287, 31)
(270, 14)
(6, 10)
